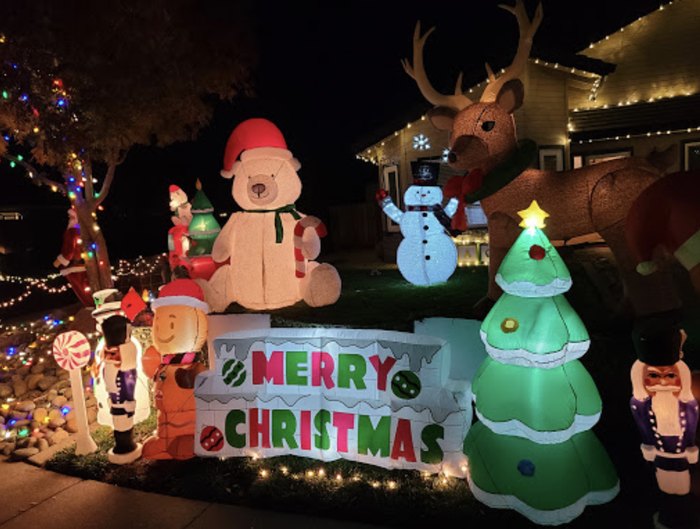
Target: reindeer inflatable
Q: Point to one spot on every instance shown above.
(484, 148)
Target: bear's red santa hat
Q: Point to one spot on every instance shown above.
(255, 138)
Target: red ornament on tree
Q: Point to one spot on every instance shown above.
(537, 252)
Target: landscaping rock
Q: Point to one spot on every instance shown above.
(92, 415)
(25, 405)
(19, 387)
(33, 380)
(18, 415)
(58, 436)
(8, 449)
(24, 453)
(42, 445)
(38, 368)
(59, 401)
(40, 414)
(46, 382)
(72, 425)
(57, 422)
(5, 391)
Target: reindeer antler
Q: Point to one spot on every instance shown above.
(458, 101)
(527, 31)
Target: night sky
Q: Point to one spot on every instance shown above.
(329, 75)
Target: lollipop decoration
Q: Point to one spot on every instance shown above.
(72, 352)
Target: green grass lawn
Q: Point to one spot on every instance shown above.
(401, 498)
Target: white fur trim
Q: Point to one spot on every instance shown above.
(521, 357)
(62, 260)
(637, 377)
(553, 517)
(266, 152)
(72, 270)
(187, 301)
(516, 428)
(525, 289)
(111, 308)
(123, 459)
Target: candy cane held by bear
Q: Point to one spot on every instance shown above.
(260, 239)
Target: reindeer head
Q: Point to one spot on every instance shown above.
(483, 133)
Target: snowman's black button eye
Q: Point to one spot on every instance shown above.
(488, 125)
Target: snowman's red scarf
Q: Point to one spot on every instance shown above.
(437, 210)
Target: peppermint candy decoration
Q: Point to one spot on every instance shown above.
(71, 350)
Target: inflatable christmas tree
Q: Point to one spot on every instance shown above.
(204, 227)
(533, 450)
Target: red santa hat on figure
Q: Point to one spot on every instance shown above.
(181, 292)
(255, 138)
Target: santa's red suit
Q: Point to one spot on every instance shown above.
(71, 263)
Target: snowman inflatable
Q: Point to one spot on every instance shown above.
(427, 254)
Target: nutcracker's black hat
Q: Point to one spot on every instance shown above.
(657, 338)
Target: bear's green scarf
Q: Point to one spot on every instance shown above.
(279, 230)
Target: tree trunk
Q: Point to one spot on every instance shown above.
(96, 256)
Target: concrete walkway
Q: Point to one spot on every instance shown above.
(34, 497)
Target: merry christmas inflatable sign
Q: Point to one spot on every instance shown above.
(377, 397)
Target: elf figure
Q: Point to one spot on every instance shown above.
(116, 366)
(663, 405)
(427, 254)
(271, 245)
(70, 261)
(179, 332)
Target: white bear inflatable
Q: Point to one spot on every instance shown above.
(270, 246)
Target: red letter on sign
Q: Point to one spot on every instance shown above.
(322, 366)
(258, 426)
(343, 422)
(305, 430)
(271, 370)
(403, 442)
(382, 369)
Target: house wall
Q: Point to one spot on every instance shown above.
(642, 147)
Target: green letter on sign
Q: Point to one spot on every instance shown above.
(322, 440)
(433, 453)
(233, 419)
(295, 361)
(375, 440)
(284, 424)
(351, 367)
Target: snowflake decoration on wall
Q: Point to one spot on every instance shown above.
(421, 142)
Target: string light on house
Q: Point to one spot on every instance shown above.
(641, 135)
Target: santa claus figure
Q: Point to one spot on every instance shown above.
(271, 245)
(70, 261)
(180, 206)
(663, 406)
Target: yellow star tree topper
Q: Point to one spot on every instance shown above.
(533, 216)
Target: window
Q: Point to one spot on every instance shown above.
(551, 157)
(691, 155)
(606, 156)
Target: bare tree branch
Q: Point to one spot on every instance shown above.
(104, 191)
(36, 176)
